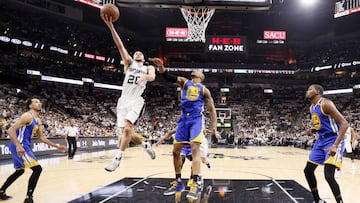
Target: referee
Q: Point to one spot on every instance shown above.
(71, 135)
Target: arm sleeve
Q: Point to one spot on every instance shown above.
(169, 77)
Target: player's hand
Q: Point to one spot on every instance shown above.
(216, 133)
(20, 150)
(158, 143)
(61, 148)
(107, 19)
(156, 61)
(142, 79)
(332, 150)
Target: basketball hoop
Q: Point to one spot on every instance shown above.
(197, 21)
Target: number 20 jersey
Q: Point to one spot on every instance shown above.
(130, 86)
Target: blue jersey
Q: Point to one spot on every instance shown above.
(323, 123)
(25, 133)
(192, 98)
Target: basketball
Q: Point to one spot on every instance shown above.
(110, 10)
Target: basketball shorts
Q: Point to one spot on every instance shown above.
(128, 108)
(27, 161)
(320, 154)
(348, 147)
(189, 129)
(186, 150)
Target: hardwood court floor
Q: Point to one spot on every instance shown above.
(63, 180)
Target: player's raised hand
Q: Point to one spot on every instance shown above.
(107, 19)
(158, 62)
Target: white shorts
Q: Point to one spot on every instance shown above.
(348, 147)
(128, 108)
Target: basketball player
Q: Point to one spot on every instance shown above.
(186, 150)
(350, 144)
(186, 154)
(329, 146)
(131, 102)
(190, 125)
(71, 135)
(27, 126)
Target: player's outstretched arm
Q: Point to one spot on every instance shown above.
(119, 44)
(168, 76)
(209, 102)
(166, 137)
(43, 139)
(149, 77)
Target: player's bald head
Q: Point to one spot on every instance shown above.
(198, 74)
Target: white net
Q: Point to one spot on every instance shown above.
(197, 20)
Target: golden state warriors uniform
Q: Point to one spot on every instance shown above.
(130, 103)
(186, 150)
(190, 124)
(328, 130)
(24, 135)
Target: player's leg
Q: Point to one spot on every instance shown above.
(31, 162)
(140, 140)
(127, 114)
(331, 164)
(176, 185)
(316, 157)
(19, 170)
(353, 154)
(309, 172)
(196, 135)
(32, 183)
(204, 153)
(9, 181)
(329, 171)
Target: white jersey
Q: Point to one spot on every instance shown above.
(130, 87)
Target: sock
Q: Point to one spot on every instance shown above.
(178, 177)
(315, 194)
(145, 144)
(119, 154)
(339, 200)
(196, 178)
